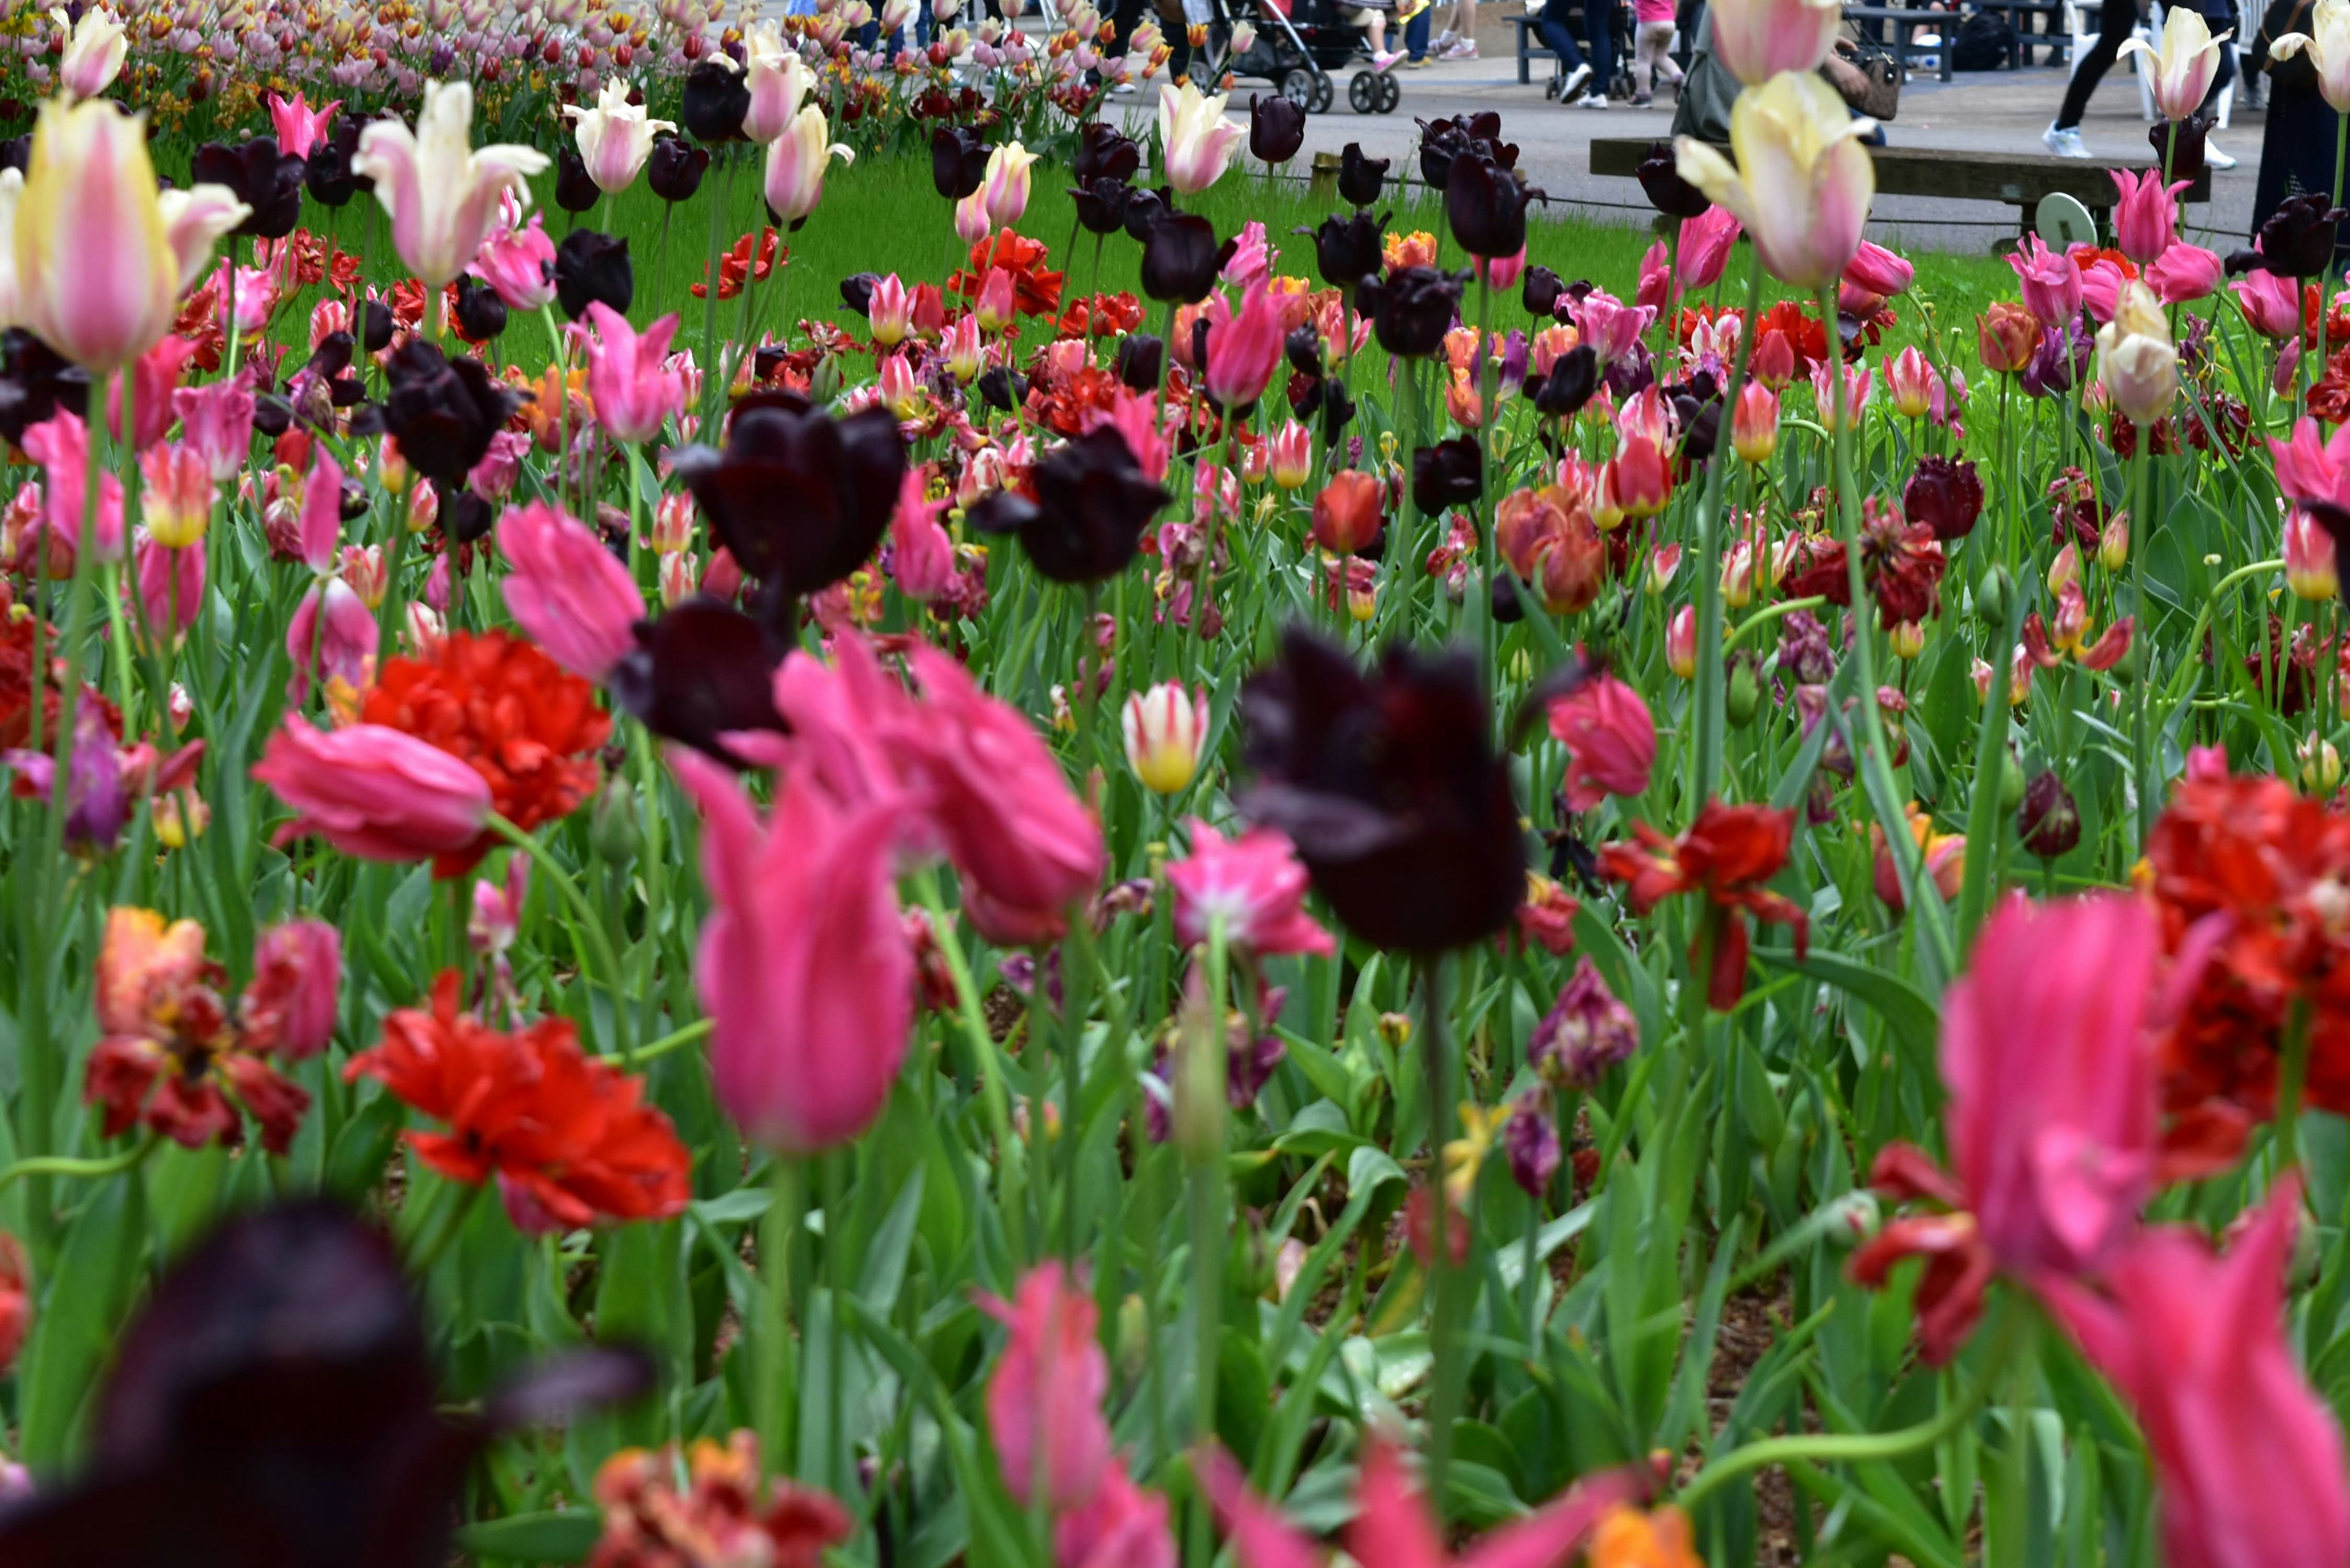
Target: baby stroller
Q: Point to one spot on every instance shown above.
(1298, 48)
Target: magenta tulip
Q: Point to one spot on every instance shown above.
(570, 594)
(1044, 1397)
(374, 791)
(1610, 738)
(1254, 884)
(333, 636)
(630, 378)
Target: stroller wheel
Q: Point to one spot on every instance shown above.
(1390, 94)
(1297, 86)
(1324, 94)
(1363, 92)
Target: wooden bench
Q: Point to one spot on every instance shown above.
(2018, 179)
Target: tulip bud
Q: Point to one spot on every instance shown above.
(2048, 822)
(672, 528)
(1908, 639)
(2321, 765)
(677, 573)
(2064, 571)
(1199, 1067)
(1395, 1030)
(2012, 782)
(365, 575)
(1290, 459)
(2309, 561)
(1680, 642)
(1991, 598)
(612, 831)
(1165, 728)
(1754, 429)
(1665, 561)
(1853, 1219)
(1742, 698)
(2113, 541)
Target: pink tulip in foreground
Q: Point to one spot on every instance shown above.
(2052, 1114)
(2145, 219)
(1757, 39)
(2249, 1457)
(1123, 1527)
(569, 594)
(1255, 883)
(1802, 182)
(630, 378)
(1044, 1397)
(1393, 1527)
(1707, 240)
(374, 791)
(802, 965)
(1610, 737)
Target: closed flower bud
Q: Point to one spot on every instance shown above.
(2113, 541)
(1754, 429)
(1743, 695)
(2321, 765)
(1680, 642)
(1165, 728)
(2309, 560)
(679, 572)
(2048, 822)
(1908, 639)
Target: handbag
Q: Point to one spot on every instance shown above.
(1880, 95)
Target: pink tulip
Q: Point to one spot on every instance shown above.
(796, 161)
(216, 420)
(1654, 291)
(615, 137)
(971, 222)
(922, 555)
(801, 956)
(1044, 1399)
(60, 444)
(1858, 382)
(1243, 351)
(321, 518)
(2313, 468)
(2052, 1112)
(155, 377)
(891, 312)
(1136, 419)
(1501, 271)
(176, 496)
(2101, 288)
(1123, 1527)
(2182, 61)
(1707, 240)
(297, 972)
(1911, 383)
(1757, 39)
(1610, 326)
(2272, 305)
(518, 265)
(493, 478)
(1879, 271)
(171, 585)
(2249, 1454)
(629, 379)
(1610, 738)
(1001, 804)
(1255, 884)
(2146, 218)
(2051, 283)
(374, 791)
(1003, 190)
(568, 593)
(299, 127)
(333, 634)
(994, 307)
(2185, 274)
(1393, 1527)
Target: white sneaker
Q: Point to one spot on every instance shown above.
(2214, 157)
(2064, 141)
(1592, 100)
(1444, 41)
(1574, 79)
(1459, 49)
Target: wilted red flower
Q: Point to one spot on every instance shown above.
(526, 725)
(1805, 337)
(2273, 866)
(1546, 917)
(568, 1136)
(1901, 563)
(1728, 853)
(171, 1056)
(736, 264)
(17, 681)
(723, 1515)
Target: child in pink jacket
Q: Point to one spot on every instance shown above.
(1652, 45)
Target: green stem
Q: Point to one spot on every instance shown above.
(2293, 1072)
(421, 1259)
(787, 1217)
(70, 1168)
(1444, 1381)
(2141, 780)
(1768, 614)
(583, 917)
(1706, 756)
(676, 1039)
(1206, 1179)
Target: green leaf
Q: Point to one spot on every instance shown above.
(547, 1537)
(97, 1270)
(1905, 1008)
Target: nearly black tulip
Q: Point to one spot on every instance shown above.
(443, 411)
(1390, 786)
(1574, 377)
(702, 671)
(265, 180)
(1101, 204)
(1346, 250)
(328, 174)
(1181, 259)
(2297, 241)
(1445, 475)
(1946, 495)
(675, 168)
(466, 517)
(1440, 142)
(1486, 207)
(375, 327)
(1304, 349)
(36, 381)
(1337, 408)
(2183, 154)
(574, 190)
(1411, 308)
(1660, 177)
(277, 1402)
(1001, 387)
(800, 498)
(17, 153)
(716, 99)
(1359, 177)
(857, 291)
(1140, 357)
(1104, 153)
(1091, 506)
(1541, 292)
(481, 314)
(591, 266)
(958, 160)
(2048, 822)
(1276, 128)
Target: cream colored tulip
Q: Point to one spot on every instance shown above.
(778, 80)
(1196, 141)
(796, 161)
(2137, 362)
(1803, 180)
(2184, 61)
(95, 50)
(443, 195)
(615, 137)
(2328, 45)
(1754, 40)
(1004, 190)
(12, 191)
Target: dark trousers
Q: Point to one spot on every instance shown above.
(1597, 41)
(2115, 21)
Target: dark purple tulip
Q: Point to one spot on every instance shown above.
(2048, 822)
(958, 160)
(702, 671)
(1360, 178)
(717, 97)
(1348, 250)
(1574, 378)
(443, 411)
(675, 169)
(1945, 495)
(265, 180)
(1445, 475)
(1276, 128)
(1486, 206)
(1092, 504)
(574, 191)
(1181, 259)
(1660, 177)
(591, 267)
(1410, 309)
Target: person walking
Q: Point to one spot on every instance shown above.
(1584, 86)
(2298, 147)
(1652, 45)
(1458, 42)
(2116, 21)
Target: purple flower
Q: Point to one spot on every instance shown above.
(1586, 1032)
(1530, 1139)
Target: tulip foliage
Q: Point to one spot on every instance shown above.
(1129, 881)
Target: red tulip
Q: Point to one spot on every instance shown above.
(1044, 1397)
